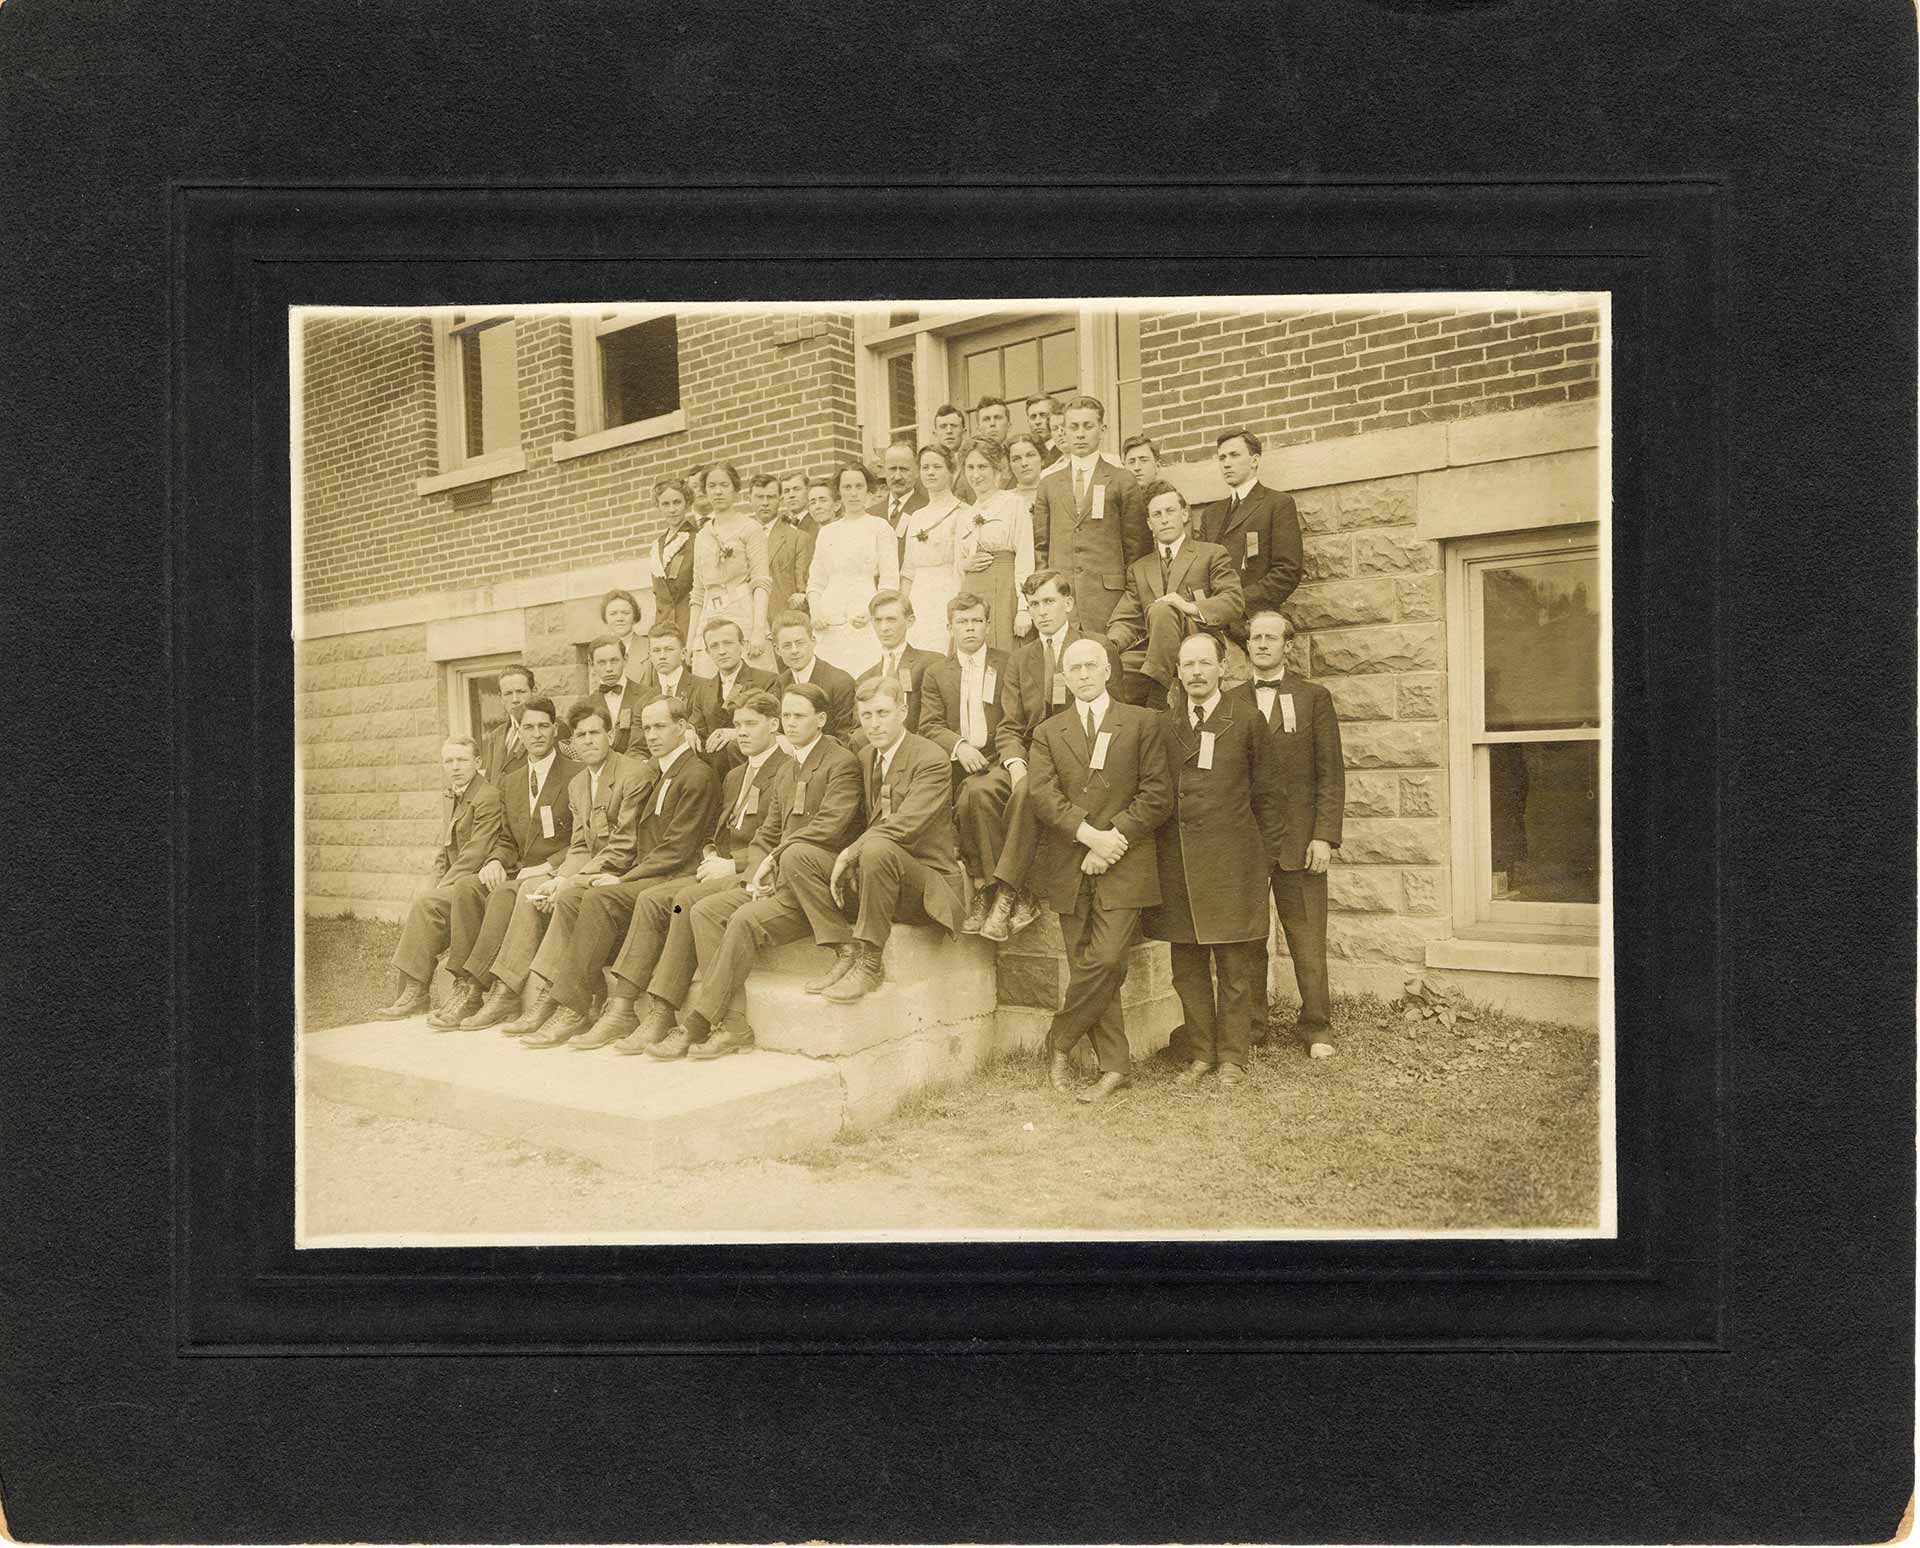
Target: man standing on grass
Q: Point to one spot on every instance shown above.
(1100, 790)
(1310, 775)
(1214, 856)
(534, 831)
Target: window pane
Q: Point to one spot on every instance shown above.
(640, 371)
(1542, 645)
(489, 389)
(484, 709)
(1022, 365)
(1544, 806)
(983, 377)
(1060, 361)
(902, 414)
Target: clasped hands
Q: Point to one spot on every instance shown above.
(1105, 846)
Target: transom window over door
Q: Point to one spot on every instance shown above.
(1529, 733)
(1015, 363)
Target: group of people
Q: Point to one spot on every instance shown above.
(1023, 678)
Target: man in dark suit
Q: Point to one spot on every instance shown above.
(791, 535)
(950, 428)
(1214, 857)
(793, 644)
(1310, 774)
(1041, 414)
(892, 616)
(1257, 526)
(1100, 790)
(658, 939)
(711, 700)
(671, 560)
(534, 831)
(502, 749)
(1089, 520)
(603, 803)
(1180, 586)
(1140, 456)
(960, 713)
(817, 808)
(674, 814)
(616, 695)
(904, 495)
(906, 864)
(471, 824)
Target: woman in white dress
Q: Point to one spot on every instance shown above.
(855, 555)
(930, 567)
(730, 574)
(996, 544)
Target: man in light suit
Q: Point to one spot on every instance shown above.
(818, 808)
(904, 495)
(675, 813)
(793, 645)
(1100, 790)
(1178, 588)
(906, 864)
(603, 802)
(1214, 856)
(1089, 519)
(533, 836)
(892, 616)
(1257, 526)
(763, 489)
(470, 827)
(1310, 775)
(791, 534)
(503, 750)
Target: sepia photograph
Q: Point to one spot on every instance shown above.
(1029, 769)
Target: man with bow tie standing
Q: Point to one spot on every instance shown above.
(1311, 777)
(1214, 856)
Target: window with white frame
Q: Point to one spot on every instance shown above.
(626, 380)
(1529, 772)
(477, 398)
(474, 705)
(902, 397)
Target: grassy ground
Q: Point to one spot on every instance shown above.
(1491, 1125)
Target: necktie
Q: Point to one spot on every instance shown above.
(1166, 568)
(1079, 485)
(1086, 721)
(740, 806)
(533, 788)
(513, 735)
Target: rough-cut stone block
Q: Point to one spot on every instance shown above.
(1380, 937)
(1381, 502)
(1362, 698)
(1393, 841)
(1422, 891)
(1326, 558)
(1418, 597)
(787, 1019)
(1317, 510)
(1021, 979)
(878, 1079)
(1363, 889)
(1421, 795)
(1339, 604)
(1405, 648)
(1389, 744)
(1372, 795)
(1393, 553)
(1423, 696)
(628, 1114)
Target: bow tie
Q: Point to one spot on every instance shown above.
(1267, 682)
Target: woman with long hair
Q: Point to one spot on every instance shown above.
(855, 555)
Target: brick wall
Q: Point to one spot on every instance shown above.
(767, 392)
(1294, 377)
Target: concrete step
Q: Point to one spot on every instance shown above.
(927, 989)
(631, 1114)
(912, 952)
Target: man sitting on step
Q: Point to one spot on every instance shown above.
(905, 867)
(816, 811)
(1179, 587)
(674, 813)
(660, 928)
(601, 803)
(533, 840)
(470, 825)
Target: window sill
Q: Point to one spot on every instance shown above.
(496, 466)
(621, 435)
(1546, 958)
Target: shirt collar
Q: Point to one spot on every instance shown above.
(1206, 707)
(545, 763)
(801, 754)
(977, 659)
(1173, 548)
(761, 757)
(1099, 708)
(457, 791)
(1277, 676)
(1056, 641)
(1084, 464)
(616, 690)
(885, 755)
(803, 674)
(667, 763)
(1244, 490)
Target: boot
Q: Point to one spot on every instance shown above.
(534, 1017)
(999, 921)
(1105, 1087)
(1025, 910)
(615, 1022)
(409, 1000)
(1060, 1074)
(501, 1004)
(844, 956)
(467, 997)
(657, 1025)
(562, 1026)
(976, 910)
(859, 980)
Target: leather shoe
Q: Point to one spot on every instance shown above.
(673, 1046)
(1232, 1075)
(1105, 1087)
(410, 1001)
(976, 912)
(501, 1004)
(466, 998)
(615, 1022)
(1193, 1072)
(858, 981)
(844, 957)
(1320, 1049)
(534, 1017)
(1060, 1074)
(723, 1040)
(563, 1026)
(999, 921)
(1025, 911)
(656, 1024)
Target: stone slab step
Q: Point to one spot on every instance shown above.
(786, 1018)
(912, 952)
(626, 1113)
